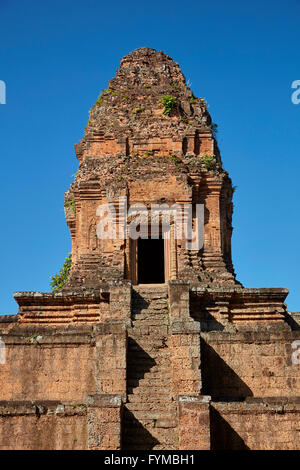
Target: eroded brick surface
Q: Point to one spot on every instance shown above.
(261, 424)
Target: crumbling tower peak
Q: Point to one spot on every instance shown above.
(148, 109)
(152, 64)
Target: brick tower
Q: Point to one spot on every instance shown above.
(152, 343)
(137, 150)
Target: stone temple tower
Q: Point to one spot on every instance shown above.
(152, 343)
(137, 151)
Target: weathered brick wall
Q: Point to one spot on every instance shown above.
(73, 380)
(63, 363)
(252, 363)
(24, 426)
(94, 424)
(172, 187)
(257, 425)
(48, 363)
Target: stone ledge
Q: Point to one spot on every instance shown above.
(259, 405)
(38, 408)
(105, 401)
(236, 294)
(61, 298)
(194, 398)
(42, 335)
(244, 291)
(8, 318)
(262, 335)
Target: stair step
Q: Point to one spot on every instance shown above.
(150, 315)
(156, 354)
(151, 392)
(149, 297)
(149, 382)
(148, 341)
(168, 423)
(136, 344)
(145, 398)
(137, 301)
(156, 447)
(169, 408)
(136, 369)
(153, 434)
(149, 415)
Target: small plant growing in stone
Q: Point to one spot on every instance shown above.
(169, 102)
(192, 100)
(79, 405)
(177, 86)
(138, 110)
(234, 188)
(191, 165)
(100, 100)
(71, 204)
(35, 339)
(175, 159)
(60, 279)
(208, 161)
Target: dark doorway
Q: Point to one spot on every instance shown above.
(151, 266)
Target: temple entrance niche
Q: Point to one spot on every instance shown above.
(150, 260)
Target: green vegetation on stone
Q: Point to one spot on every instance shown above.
(59, 280)
(71, 204)
(138, 110)
(169, 102)
(208, 161)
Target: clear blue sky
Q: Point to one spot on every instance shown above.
(56, 55)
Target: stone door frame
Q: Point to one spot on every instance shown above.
(170, 252)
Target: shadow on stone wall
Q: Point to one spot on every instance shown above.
(200, 312)
(138, 303)
(223, 436)
(141, 439)
(138, 363)
(218, 379)
(289, 318)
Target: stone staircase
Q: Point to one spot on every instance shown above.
(150, 415)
